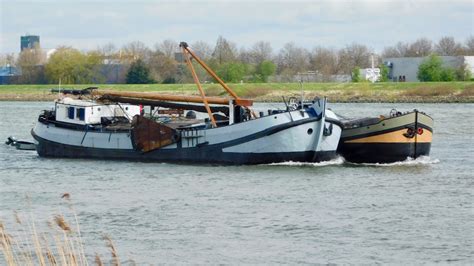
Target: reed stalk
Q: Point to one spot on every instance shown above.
(60, 244)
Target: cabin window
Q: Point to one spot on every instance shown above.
(81, 114)
(70, 112)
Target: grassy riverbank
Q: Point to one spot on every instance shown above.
(430, 92)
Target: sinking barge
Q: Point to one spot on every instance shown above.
(114, 125)
(386, 139)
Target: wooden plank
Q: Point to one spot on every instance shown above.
(162, 97)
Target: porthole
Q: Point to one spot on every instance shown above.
(310, 131)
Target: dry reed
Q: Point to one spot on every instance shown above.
(256, 92)
(467, 91)
(61, 244)
(430, 91)
(213, 91)
(97, 260)
(113, 250)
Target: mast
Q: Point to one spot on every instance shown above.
(198, 84)
(137, 96)
(237, 99)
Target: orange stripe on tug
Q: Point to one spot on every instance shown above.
(398, 136)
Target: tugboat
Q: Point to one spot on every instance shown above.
(114, 125)
(386, 139)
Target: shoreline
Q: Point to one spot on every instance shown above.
(419, 92)
(273, 99)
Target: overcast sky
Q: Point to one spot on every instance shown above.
(87, 24)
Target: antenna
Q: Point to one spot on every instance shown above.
(302, 92)
(301, 77)
(59, 86)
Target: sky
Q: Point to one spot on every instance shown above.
(85, 25)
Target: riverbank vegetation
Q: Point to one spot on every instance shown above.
(257, 63)
(336, 92)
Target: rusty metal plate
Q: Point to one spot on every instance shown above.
(148, 135)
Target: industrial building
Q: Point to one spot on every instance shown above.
(9, 74)
(29, 42)
(406, 68)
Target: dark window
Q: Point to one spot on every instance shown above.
(70, 112)
(81, 113)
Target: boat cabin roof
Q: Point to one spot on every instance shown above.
(77, 102)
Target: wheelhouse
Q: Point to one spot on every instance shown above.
(83, 112)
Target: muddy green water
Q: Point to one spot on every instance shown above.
(411, 212)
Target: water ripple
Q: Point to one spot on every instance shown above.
(412, 212)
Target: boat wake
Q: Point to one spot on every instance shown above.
(337, 161)
(422, 160)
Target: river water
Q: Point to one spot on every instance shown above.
(411, 212)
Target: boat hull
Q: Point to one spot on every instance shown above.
(276, 138)
(383, 152)
(212, 155)
(389, 140)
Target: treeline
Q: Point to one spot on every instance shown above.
(137, 63)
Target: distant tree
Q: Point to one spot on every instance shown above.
(202, 49)
(325, 61)
(419, 48)
(448, 74)
(167, 48)
(448, 46)
(245, 56)
(113, 68)
(134, 51)
(138, 73)
(31, 61)
(383, 73)
(430, 69)
(232, 72)
(399, 50)
(7, 59)
(356, 74)
(169, 80)
(354, 55)
(108, 50)
(292, 59)
(261, 51)
(224, 51)
(162, 67)
(73, 67)
(463, 73)
(265, 69)
(389, 52)
(469, 48)
(183, 74)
